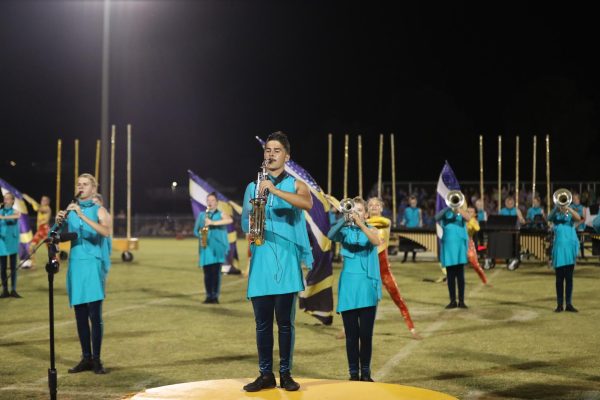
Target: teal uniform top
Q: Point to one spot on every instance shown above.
(217, 244)
(106, 252)
(509, 211)
(275, 266)
(411, 217)
(481, 215)
(9, 233)
(86, 276)
(566, 243)
(360, 281)
(532, 212)
(454, 240)
(579, 209)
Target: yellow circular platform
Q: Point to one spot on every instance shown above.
(310, 389)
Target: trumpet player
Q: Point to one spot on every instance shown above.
(276, 203)
(359, 287)
(211, 229)
(564, 247)
(454, 246)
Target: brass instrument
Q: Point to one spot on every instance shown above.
(204, 232)
(347, 208)
(562, 198)
(455, 199)
(257, 216)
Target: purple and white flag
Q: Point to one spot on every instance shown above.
(24, 228)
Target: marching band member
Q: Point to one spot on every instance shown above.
(510, 209)
(9, 245)
(211, 228)
(86, 275)
(453, 254)
(382, 224)
(44, 213)
(472, 229)
(413, 218)
(534, 210)
(275, 276)
(359, 288)
(564, 254)
(579, 226)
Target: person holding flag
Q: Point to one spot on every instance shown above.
(383, 225)
(275, 276)
(9, 245)
(211, 229)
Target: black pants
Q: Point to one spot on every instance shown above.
(564, 283)
(212, 280)
(84, 315)
(283, 306)
(456, 276)
(13, 271)
(414, 254)
(358, 326)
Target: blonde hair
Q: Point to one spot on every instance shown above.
(10, 194)
(377, 199)
(91, 178)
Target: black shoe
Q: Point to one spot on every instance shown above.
(266, 380)
(451, 305)
(403, 260)
(4, 294)
(85, 364)
(207, 301)
(354, 377)
(570, 308)
(215, 301)
(287, 382)
(98, 367)
(366, 378)
(461, 304)
(558, 309)
(15, 295)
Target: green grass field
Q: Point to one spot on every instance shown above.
(508, 345)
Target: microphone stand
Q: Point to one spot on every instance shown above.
(52, 268)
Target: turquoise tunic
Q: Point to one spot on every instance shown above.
(481, 215)
(532, 212)
(455, 240)
(509, 211)
(566, 243)
(275, 266)
(9, 233)
(360, 281)
(411, 217)
(106, 252)
(217, 244)
(579, 209)
(86, 276)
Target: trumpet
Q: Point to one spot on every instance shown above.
(204, 232)
(258, 214)
(562, 198)
(347, 208)
(455, 199)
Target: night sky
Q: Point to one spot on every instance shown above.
(198, 80)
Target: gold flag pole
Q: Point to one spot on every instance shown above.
(97, 165)
(534, 168)
(392, 151)
(517, 174)
(128, 182)
(379, 173)
(360, 177)
(76, 162)
(346, 140)
(112, 170)
(481, 168)
(548, 205)
(499, 172)
(58, 170)
(329, 161)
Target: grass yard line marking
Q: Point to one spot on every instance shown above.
(106, 314)
(408, 348)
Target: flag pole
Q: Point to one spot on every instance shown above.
(534, 168)
(548, 206)
(58, 170)
(97, 165)
(499, 172)
(329, 161)
(392, 151)
(128, 182)
(481, 168)
(379, 173)
(360, 171)
(76, 162)
(112, 170)
(517, 173)
(346, 140)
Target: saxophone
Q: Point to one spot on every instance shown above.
(204, 232)
(257, 216)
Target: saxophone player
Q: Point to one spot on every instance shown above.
(211, 228)
(275, 275)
